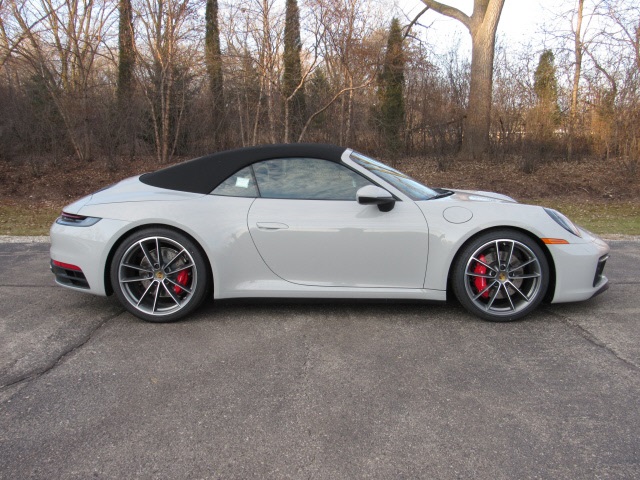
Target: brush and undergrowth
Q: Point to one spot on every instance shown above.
(603, 196)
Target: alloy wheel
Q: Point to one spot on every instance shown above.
(157, 276)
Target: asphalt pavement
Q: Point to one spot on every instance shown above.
(322, 390)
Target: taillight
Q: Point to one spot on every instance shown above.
(69, 274)
(66, 266)
(73, 220)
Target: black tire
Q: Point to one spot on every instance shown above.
(501, 275)
(163, 290)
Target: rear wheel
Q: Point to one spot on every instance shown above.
(501, 276)
(159, 275)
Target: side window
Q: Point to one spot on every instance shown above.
(240, 184)
(307, 178)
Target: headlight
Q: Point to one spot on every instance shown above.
(71, 220)
(563, 221)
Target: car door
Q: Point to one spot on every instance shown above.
(309, 228)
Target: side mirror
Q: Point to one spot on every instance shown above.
(372, 195)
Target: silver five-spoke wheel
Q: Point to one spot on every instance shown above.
(159, 275)
(501, 276)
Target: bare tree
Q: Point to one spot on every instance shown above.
(614, 53)
(265, 25)
(126, 53)
(124, 117)
(5, 47)
(63, 52)
(577, 51)
(169, 49)
(12, 32)
(573, 29)
(482, 25)
(351, 46)
(213, 58)
(292, 84)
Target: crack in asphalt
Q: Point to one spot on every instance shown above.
(593, 339)
(35, 374)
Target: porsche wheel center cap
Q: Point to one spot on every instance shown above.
(159, 274)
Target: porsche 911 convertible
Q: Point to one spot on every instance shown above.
(316, 221)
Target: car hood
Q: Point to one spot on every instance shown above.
(479, 196)
(129, 190)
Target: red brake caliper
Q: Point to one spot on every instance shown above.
(480, 282)
(182, 278)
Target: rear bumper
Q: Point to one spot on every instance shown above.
(88, 249)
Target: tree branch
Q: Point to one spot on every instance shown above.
(335, 97)
(449, 11)
(413, 22)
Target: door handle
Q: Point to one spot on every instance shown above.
(271, 226)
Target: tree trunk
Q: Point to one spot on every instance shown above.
(347, 130)
(292, 78)
(213, 58)
(126, 129)
(576, 80)
(482, 25)
(478, 120)
(126, 54)
(267, 68)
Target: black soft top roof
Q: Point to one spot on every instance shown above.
(202, 175)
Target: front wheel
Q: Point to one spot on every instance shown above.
(501, 276)
(159, 275)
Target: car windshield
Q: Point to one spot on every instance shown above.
(407, 185)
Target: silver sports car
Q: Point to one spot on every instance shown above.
(316, 221)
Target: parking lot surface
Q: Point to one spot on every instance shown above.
(320, 390)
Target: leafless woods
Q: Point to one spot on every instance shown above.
(64, 89)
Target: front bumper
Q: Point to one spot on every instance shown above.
(579, 269)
